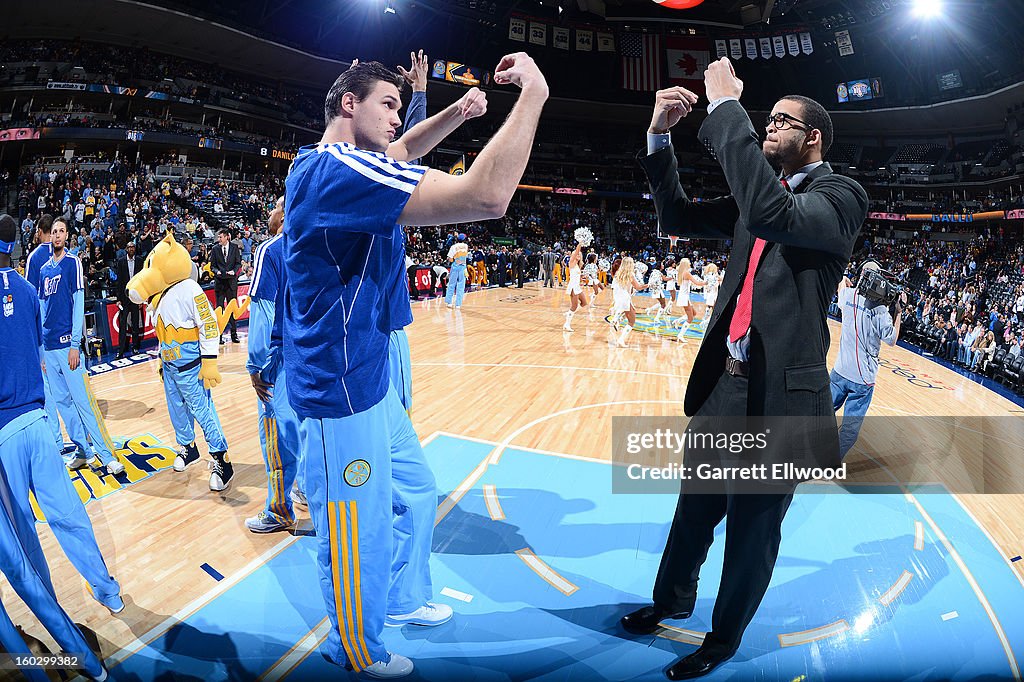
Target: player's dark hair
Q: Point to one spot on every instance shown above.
(8, 229)
(59, 219)
(224, 231)
(814, 115)
(360, 81)
(45, 223)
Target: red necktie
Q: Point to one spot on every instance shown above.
(740, 322)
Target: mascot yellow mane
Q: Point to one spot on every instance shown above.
(167, 264)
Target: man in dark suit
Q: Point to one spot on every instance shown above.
(548, 261)
(502, 266)
(129, 318)
(225, 261)
(764, 350)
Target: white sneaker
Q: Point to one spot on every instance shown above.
(265, 523)
(396, 666)
(429, 614)
(78, 462)
(299, 498)
(115, 467)
(186, 455)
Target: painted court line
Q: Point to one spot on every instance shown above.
(493, 505)
(455, 594)
(682, 635)
(918, 536)
(950, 616)
(813, 635)
(897, 588)
(297, 653)
(192, 607)
(541, 568)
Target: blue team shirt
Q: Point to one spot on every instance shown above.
(268, 269)
(34, 264)
(58, 283)
(399, 306)
(267, 287)
(341, 211)
(21, 381)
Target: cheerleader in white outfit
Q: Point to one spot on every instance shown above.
(591, 276)
(656, 285)
(713, 280)
(671, 277)
(623, 285)
(577, 297)
(686, 280)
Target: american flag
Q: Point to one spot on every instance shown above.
(641, 61)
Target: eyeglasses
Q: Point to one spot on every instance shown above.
(781, 121)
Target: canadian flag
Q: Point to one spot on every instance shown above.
(688, 58)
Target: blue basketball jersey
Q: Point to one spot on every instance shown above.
(21, 381)
(34, 264)
(268, 269)
(341, 209)
(58, 283)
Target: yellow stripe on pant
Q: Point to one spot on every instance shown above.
(340, 578)
(357, 593)
(100, 421)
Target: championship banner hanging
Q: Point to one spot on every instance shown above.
(584, 40)
(766, 48)
(751, 46)
(517, 29)
(844, 43)
(806, 45)
(721, 49)
(793, 43)
(780, 46)
(735, 49)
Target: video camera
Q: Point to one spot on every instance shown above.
(879, 286)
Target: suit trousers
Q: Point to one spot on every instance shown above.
(129, 317)
(753, 532)
(227, 291)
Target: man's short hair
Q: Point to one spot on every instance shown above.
(815, 116)
(225, 231)
(8, 229)
(360, 81)
(58, 219)
(45, 223)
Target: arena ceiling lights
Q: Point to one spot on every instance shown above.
(927, 9)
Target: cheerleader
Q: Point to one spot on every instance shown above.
(710, 274)
(623, 284)
(686, 279)
(577, 297)
(671, 278)
(656, 285)
(592, 275)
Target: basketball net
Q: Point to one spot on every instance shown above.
(672, 239)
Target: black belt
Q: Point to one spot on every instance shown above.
(736, 368)
(186, 367)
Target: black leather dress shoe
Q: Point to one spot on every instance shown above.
(699, 663)
(645, 621)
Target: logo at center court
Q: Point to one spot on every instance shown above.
(357, 473)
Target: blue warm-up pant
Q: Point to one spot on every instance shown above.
(20, 555)
(372, 499)
(279, 438)
(189, 402)
(400, 367)
(74, 398)
(456, 284)
(75, 426)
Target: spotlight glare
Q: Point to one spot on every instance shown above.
(927, 9)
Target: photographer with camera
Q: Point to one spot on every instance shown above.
(867, 322)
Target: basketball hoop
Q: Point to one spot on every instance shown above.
(672, 239)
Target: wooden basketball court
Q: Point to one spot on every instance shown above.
(500, 373)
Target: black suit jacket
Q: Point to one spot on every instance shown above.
(221, 267)
(811, 234)
(123, 277)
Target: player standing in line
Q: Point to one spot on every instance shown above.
(278, 425)
(33, 265)
(624, 283)
(345, 198)
(25, 442)
(457, 256)
(62, 291)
